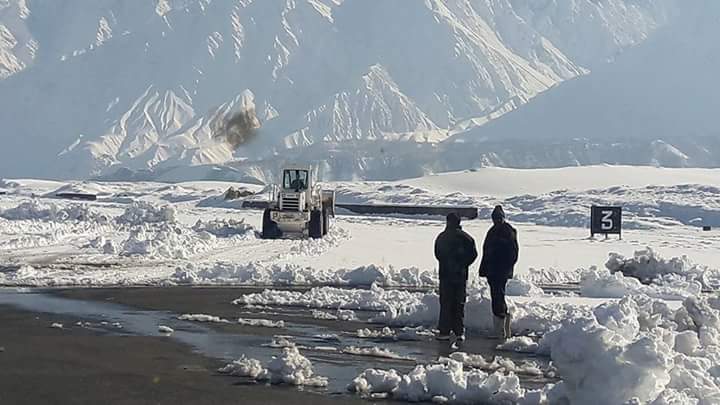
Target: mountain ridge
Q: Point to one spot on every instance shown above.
(319, 71)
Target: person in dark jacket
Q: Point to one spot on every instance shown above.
(455, 251)
(500, 253)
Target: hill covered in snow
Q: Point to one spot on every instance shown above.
(663, 95)
(366, 89)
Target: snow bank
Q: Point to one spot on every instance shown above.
(603, 284)
(551, 276)
(501, 364)
(404, 308)
(143, 212)
(642, 349)
(340, 314)
(166, 242)
(290, 274)
(35, 210)
(224, 228)
(647, 266)
(447, 382)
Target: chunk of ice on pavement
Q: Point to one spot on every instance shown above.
(519, 344)
(165, 329)
(244, 367)
(373, 381)
(449, 381)
(374, 351)
(293, 368)
(202, 318)
(265, 323)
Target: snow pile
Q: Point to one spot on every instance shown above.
(642, 349)
(202, 318)
(290, 274)
(389, 276)
(648, 266)
(166, 242)
(522, 288)
(550, 276)
(56, 325)
(244, 367)
(265, 323)
(374, 299)
(373, 381)
(445, 383)
(289, 368)
(374, 351)
(107, 246)
(387, 333)
(295, 369)
(224, 228)
(603, 284)
(281, 342)
(143, 212)
(165, 329)
(340, 314)
(404, 308)
(519, 344)
(500, 364)
(316, 247)
(35, 210)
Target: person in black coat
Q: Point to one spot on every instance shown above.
(455, 251)
(500, 253)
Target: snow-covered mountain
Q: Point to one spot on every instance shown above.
(90, 87)
(665, 92)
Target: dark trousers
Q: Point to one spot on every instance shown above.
(497, 293)
(452, 307)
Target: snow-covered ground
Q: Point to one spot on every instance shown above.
(149, 233)
(643, 305)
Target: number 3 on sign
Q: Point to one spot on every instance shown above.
(606, 223)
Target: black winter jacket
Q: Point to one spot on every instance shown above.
(500, 252)
(455, 251)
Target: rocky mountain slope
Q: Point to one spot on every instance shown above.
(90, 87)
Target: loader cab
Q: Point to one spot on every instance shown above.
(296, 180)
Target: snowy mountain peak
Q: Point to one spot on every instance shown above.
(138, 87)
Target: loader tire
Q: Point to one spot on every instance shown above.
(270, 228)
(325, 221)
(316, 224)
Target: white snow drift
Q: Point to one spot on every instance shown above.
(289, 368)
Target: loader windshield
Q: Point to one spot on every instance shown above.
(295, 179)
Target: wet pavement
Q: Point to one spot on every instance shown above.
(139, 312)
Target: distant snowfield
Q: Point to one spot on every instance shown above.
(504, 182)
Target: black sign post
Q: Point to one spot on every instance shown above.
(606, 220)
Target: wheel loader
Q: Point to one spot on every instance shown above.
(298, 206)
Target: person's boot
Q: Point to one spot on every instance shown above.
(498, 328)
(507, 333)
